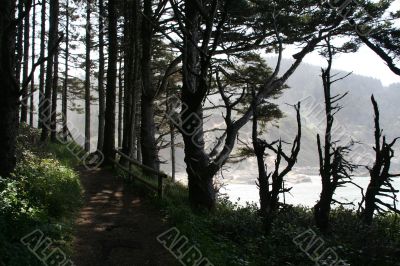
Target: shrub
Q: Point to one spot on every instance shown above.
(233, 234)
(43, 193)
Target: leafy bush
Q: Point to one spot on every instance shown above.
(42, 193)
(233, 234)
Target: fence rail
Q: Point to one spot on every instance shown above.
(160, 175)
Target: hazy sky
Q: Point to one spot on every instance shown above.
(364, 62)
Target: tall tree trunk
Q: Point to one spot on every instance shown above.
(102, 101)
(53, 122)
(129, 50)
(24, 102)
(19, 45)
(42, 65)
(120, 98)
(87, 77)
(138, 125)
(135, 83)
(64, 100)
(9, 89)
(380, 184)
(335, 170)
(32, 109)
(201, 187)
(109, 128)
(323, 207)
(370, 198)
(172, 137)
(148, 142)
(134, 141)
(148, 130)
(53, 31)
(263, 178)
(173, 159)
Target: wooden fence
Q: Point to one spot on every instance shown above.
(158, 187)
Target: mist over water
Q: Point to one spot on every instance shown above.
(304, 193)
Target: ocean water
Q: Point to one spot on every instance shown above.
(305, 191)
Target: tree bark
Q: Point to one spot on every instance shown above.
(135, 92)
(31, 107)
(173, 152)
(8, 89)
(380, 177)
(129, 77)
(201, 187)
(19, 45)
(42, 65)
(120, 98)
(102, 103)
(148, 130)
(64, 100)
(109, 130)
(263, 182)
(53, 31)
(333, 167)
(54, 94)
(24, 101)
(323, 207)
(87, 77)
(138, 125)
(370, 197)
(172, 138)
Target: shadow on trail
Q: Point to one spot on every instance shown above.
(116, 226)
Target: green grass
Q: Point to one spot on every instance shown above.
(45, 193)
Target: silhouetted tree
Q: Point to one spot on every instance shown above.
(53, 37)
(88, 64)
(25, 64)
(206, 33)
(42, 65)
(271, 184)
(64, 98)
(54, 97)
(334, 168)
(109, 126)
(9, 90)
(102, 96)
(380, 184)
(31, 106)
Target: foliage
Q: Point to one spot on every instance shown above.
(43, 193)
(233, 234)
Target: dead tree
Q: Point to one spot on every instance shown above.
(271, 184)
(334, 169)
(380, 184)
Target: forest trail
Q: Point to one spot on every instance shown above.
(116, 226)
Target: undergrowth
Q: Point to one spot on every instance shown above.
(44, 193)
(233, 234)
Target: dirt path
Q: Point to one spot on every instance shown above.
(116, 226)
